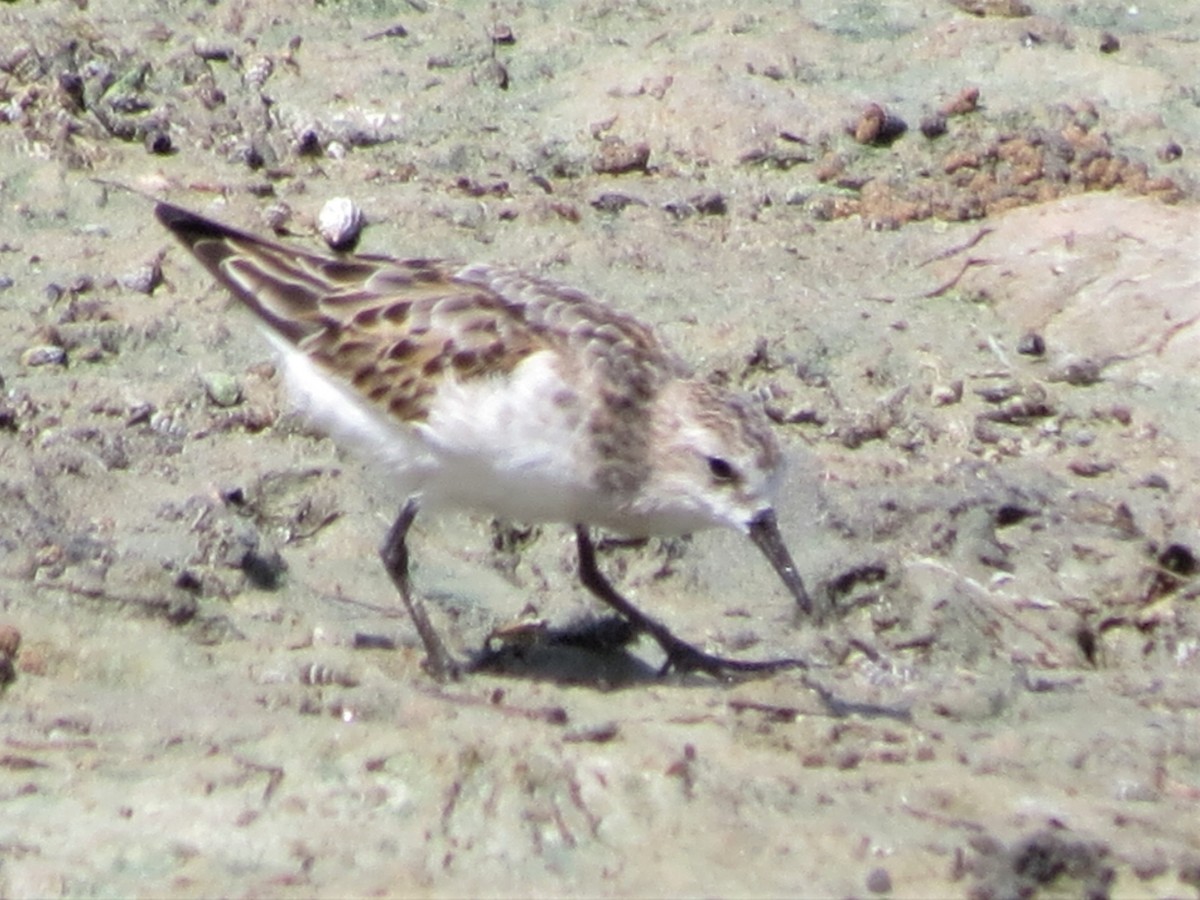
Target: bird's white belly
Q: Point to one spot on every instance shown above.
(514, 445)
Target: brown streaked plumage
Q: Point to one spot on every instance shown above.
(484, 387)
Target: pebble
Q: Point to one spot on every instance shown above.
(1078, 372)
(1012, 9)
(44, 355)
(276, 217)
(10, 640)
(224, 390)
(966, 101)
(1031, 344)
(144, 279)
(876, 126)
(1170, 151)
(934, 125)
(947, 394)
(158, 142)
(264, 570)
(307, 142)
(497, 73)
(879, 881)
(616, 157)
(712, 203)
(611, 202)
(503, 34)
(212, 51)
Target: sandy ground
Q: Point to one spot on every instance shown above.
(980, 348)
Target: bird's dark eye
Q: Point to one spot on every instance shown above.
(720, 469)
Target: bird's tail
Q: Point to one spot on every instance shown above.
(284, 286)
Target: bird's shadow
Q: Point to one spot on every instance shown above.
(596, 652)
(593, 652)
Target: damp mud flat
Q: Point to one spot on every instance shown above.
(977, 336)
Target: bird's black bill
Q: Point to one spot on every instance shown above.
(764, 531)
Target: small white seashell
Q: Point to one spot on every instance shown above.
(340, 223)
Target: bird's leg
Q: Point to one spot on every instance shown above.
(681, 655)
(394, 553)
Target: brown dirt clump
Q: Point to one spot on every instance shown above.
(979, 168)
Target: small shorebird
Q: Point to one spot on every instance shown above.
(484, 388)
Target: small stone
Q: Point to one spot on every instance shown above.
(144, 279)
(391, 31)
(10, 640)
(264, 570)
(1013, 9)
(610, 202)
(308, 141)
(496, 72)
(1170, 151)
(933, 125)
(1031, 344)
(947, 394)
(44, 355)
(878, 127)
(1078, 372)
(966, 101)
(222, 389)
(158, 142)
(503, 34)
(879, 881)
(712, 203)
(276, 217)
(212, 50)
(616, 157)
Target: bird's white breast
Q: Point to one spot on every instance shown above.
(515, 445)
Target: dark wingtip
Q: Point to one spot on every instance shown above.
(186, 225)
